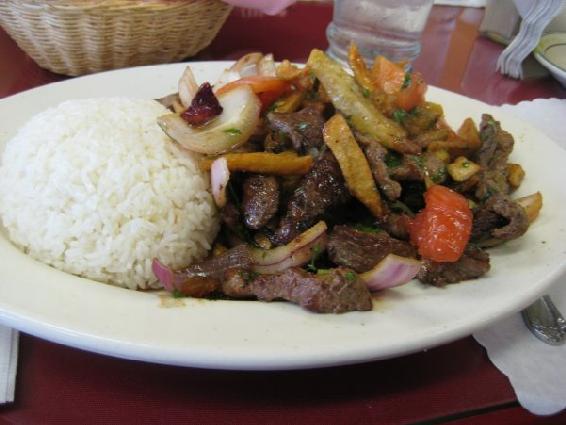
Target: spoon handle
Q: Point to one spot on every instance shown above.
(545, 321)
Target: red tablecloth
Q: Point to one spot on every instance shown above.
(454, 383)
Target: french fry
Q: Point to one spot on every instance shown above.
(281, 164)
(348, 98)
(353, 163)
(462, 169)
(358, 66)
(470, 134)
(515, 175)
(532, 205)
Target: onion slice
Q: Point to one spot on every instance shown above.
(392, 271)
(227, 131)
(296, 253)
(187, 87)
(219, 176)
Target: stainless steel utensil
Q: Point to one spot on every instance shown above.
(545, 321)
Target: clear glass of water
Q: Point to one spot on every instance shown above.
(378, 27)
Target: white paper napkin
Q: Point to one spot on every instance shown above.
(8, 363)
(537, 371)
(462, 3)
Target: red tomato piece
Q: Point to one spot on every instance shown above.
(442, 229)
(412, 95)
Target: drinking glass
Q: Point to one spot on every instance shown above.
(378, 27)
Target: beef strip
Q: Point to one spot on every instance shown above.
(338, 291)
(395, 224)
(493, 154)
(260, 200)
(500, 219)
(361, 251)
(375, 154)
(474, 263)
(215, 267)
(416, 168)
(321, 188)
(303, 127)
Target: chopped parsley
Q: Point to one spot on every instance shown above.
(316, 251)
(393, 159)
(177, 294)
(322, 272)
(350, 276)
(232, 131)
(439, 176)
(366, 92)
(302, 126)
(407, 80)
(400, 115)
(366, 228)
(248, 276)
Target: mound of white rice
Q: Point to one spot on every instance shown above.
(95, 188)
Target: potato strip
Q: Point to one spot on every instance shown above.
(281, 164)
(353, 163)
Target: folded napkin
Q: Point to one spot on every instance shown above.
(536, 16)
(462, 3)
(8, 363)
(537, 371)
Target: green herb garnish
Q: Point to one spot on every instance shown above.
(177, 294)
(302, 126)
(367, 228)
(316, 251)
(350, 276)
(232, 131)
(393, 159)
(407, 80)
(399, 115)
(366, 92)
(248, 276)
(439, 176)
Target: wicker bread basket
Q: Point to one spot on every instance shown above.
(75, 37)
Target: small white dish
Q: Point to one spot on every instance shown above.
(551, 53)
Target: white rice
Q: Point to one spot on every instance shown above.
(95, 188)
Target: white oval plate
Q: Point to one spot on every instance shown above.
(42, 301)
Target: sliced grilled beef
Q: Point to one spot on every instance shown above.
(416, 168)
(360, 250)
(500, 219)
(474, 263)
(396, 225)
(231, 216)
(410, 168)
(375, 154)
(260, 200)
(215, 267)
(337, 291)
(303, 127)
(493, 154)
(321, 188)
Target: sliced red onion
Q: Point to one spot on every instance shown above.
(296, 258)
(392, 271)
(265, 257)
(219, 176)
(164, 274)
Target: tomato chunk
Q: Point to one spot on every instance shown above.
(267, 89)
(442, 229)
(412, 95)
